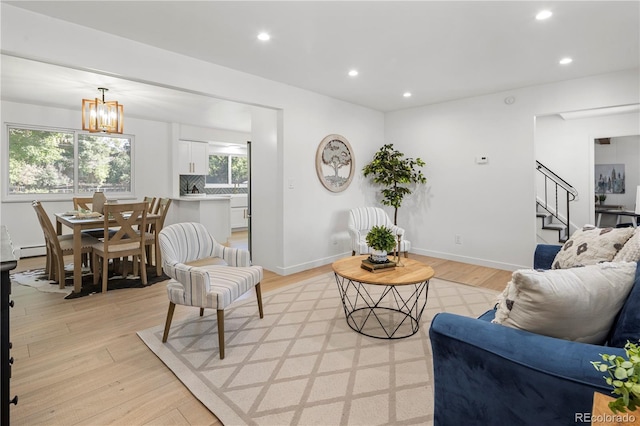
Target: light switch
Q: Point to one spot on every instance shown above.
(291, 183)
(482, 159)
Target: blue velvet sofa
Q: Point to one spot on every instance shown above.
(489, 374)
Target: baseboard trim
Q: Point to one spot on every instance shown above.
(431, 253)
(310, 265)
(470, 260)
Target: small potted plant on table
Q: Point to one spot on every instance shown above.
(382, 241)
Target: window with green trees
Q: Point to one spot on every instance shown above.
(225, 169)
(48, 161)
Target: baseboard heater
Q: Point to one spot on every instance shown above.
(30, 251)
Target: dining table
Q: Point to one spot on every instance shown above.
(78, 224)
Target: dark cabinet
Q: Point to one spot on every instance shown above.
(7, 263)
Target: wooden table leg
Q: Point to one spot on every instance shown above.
(77, 259)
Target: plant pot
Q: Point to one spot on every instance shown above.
(378, 256)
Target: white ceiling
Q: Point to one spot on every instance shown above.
(439, 51)
(51, 85)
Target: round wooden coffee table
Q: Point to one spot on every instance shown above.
(385, 304)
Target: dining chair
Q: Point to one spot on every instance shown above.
(58, 246)
(124, 242)
(223, 274)
(162, 207)
(98, 202)
(153, 206)
(84, 203)
(94, 203)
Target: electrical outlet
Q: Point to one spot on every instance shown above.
(458, 239)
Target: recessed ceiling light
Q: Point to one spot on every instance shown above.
(544, 14)
(264, 37)
(565, 61)
(353, 73)
(407, 94)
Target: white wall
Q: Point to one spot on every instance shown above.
(491, 206)
(313, 216)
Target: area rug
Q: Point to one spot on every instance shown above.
(302, 364)
(37, 278)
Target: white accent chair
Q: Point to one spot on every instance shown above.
(362, 219)
(205, 273)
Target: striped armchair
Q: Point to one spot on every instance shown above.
(204, 273)
(362, 219)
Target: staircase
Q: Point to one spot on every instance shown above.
(553, 204)
(549, 223)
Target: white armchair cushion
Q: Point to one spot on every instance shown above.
(213, 286)
(362, 219)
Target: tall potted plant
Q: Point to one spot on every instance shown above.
(391, 169)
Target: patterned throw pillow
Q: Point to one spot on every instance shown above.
(630, 252)
(577, 304)
(591, 245)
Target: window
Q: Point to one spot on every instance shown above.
(104, 163)
(54, 161)
(227, 169)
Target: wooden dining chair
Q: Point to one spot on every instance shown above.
(152, 204)
(94, 203)
(152, 234)
(98, 202)
(124, 242)
(58, 246)
(84, 203)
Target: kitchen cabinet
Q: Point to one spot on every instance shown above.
(239, 211)
(193, 158)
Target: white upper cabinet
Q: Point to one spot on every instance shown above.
(193, 158)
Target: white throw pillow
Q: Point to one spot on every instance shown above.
(630, 252)
(590, 245)
(574, 304)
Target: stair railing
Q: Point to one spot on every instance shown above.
(556, 188)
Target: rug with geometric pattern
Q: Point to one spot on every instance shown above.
(303, 365)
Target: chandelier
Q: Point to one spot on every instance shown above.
(102, 116)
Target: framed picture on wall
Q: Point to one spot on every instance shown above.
(335, 163)
(609, 178)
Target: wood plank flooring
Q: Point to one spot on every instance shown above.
(80, 362)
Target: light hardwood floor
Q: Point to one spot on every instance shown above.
(80, 362)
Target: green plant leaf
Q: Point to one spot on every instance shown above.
(392, 170)
(620, 373)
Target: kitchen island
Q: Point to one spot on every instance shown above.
(212, 210)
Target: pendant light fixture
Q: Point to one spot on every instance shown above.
(102, 116)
